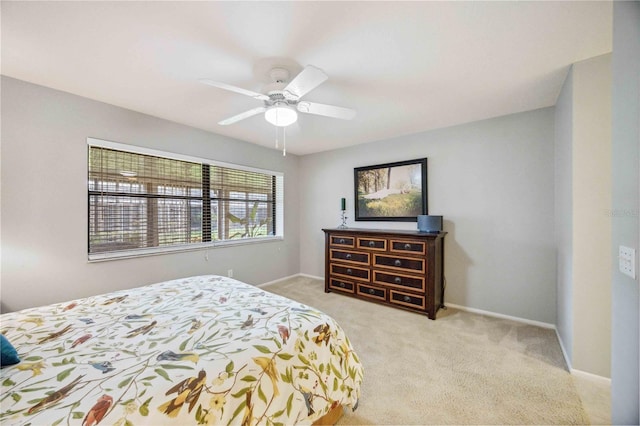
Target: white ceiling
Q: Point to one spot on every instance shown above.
(405, 67)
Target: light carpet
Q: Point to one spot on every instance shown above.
(462, 368)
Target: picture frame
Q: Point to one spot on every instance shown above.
(391, 192)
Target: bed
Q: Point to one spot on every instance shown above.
(199, 350)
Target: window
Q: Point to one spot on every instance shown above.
(143, 201)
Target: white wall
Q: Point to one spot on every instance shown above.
(44, 199)
(625, 208)
(591, 215)
(492, 181)
(583, 220)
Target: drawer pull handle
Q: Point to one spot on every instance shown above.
(349, 271)
(342, 285)
(397, 262)
(341, 240)
(407, 299)
(407, 246)
(371, 291)
(348, 256)
(371, 244)
(398, 280)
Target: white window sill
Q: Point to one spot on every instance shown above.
(155, 251)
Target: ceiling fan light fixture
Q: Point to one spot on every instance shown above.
(281, 115)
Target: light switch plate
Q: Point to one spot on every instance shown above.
(627, 261)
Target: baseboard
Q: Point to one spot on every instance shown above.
(593, 377)
(278, 280)
(524, 321)
(501, 316)
(600, 380)
(589, 376)
(288, 278)
(311, 276)
(564, 352)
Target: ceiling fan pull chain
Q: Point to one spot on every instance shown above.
(276, 137)
(284, 141)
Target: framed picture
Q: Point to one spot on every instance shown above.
(393, 191)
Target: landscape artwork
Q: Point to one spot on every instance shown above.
(391, 192)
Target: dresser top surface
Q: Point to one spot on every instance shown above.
(404, 232)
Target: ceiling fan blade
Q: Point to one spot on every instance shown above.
(231, 88)
(242, 116)
(308, 79)
(326, 110)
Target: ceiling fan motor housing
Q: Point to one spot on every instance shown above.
(277, 96)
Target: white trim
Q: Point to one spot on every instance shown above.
(287, 278)
(508, 317)
(175, 156)
(564, 352)
(311, 276)
(154, 251)
(524, 321)
(578, 373)
(600, 380)
(278, 280)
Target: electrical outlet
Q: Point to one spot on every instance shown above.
(230, 273)
(627, 261)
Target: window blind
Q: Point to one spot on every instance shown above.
(141, 199)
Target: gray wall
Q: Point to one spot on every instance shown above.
(492, 181)
(44, 199)
(625, 211)
(564, 214)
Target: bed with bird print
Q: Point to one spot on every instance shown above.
(198, 350)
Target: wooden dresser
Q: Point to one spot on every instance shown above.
(403, 269)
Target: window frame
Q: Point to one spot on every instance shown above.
(278, 205)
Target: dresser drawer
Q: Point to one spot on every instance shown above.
(372, 292)
(396, 262)
(403, 246)
(342, 241)
(406, 299)
(338, 284)
(350, 256)
(379, 244)
(350, 271)
(399, 280)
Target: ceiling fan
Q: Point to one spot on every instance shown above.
(282, 100)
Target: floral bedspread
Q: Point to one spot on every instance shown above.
(199, 350)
